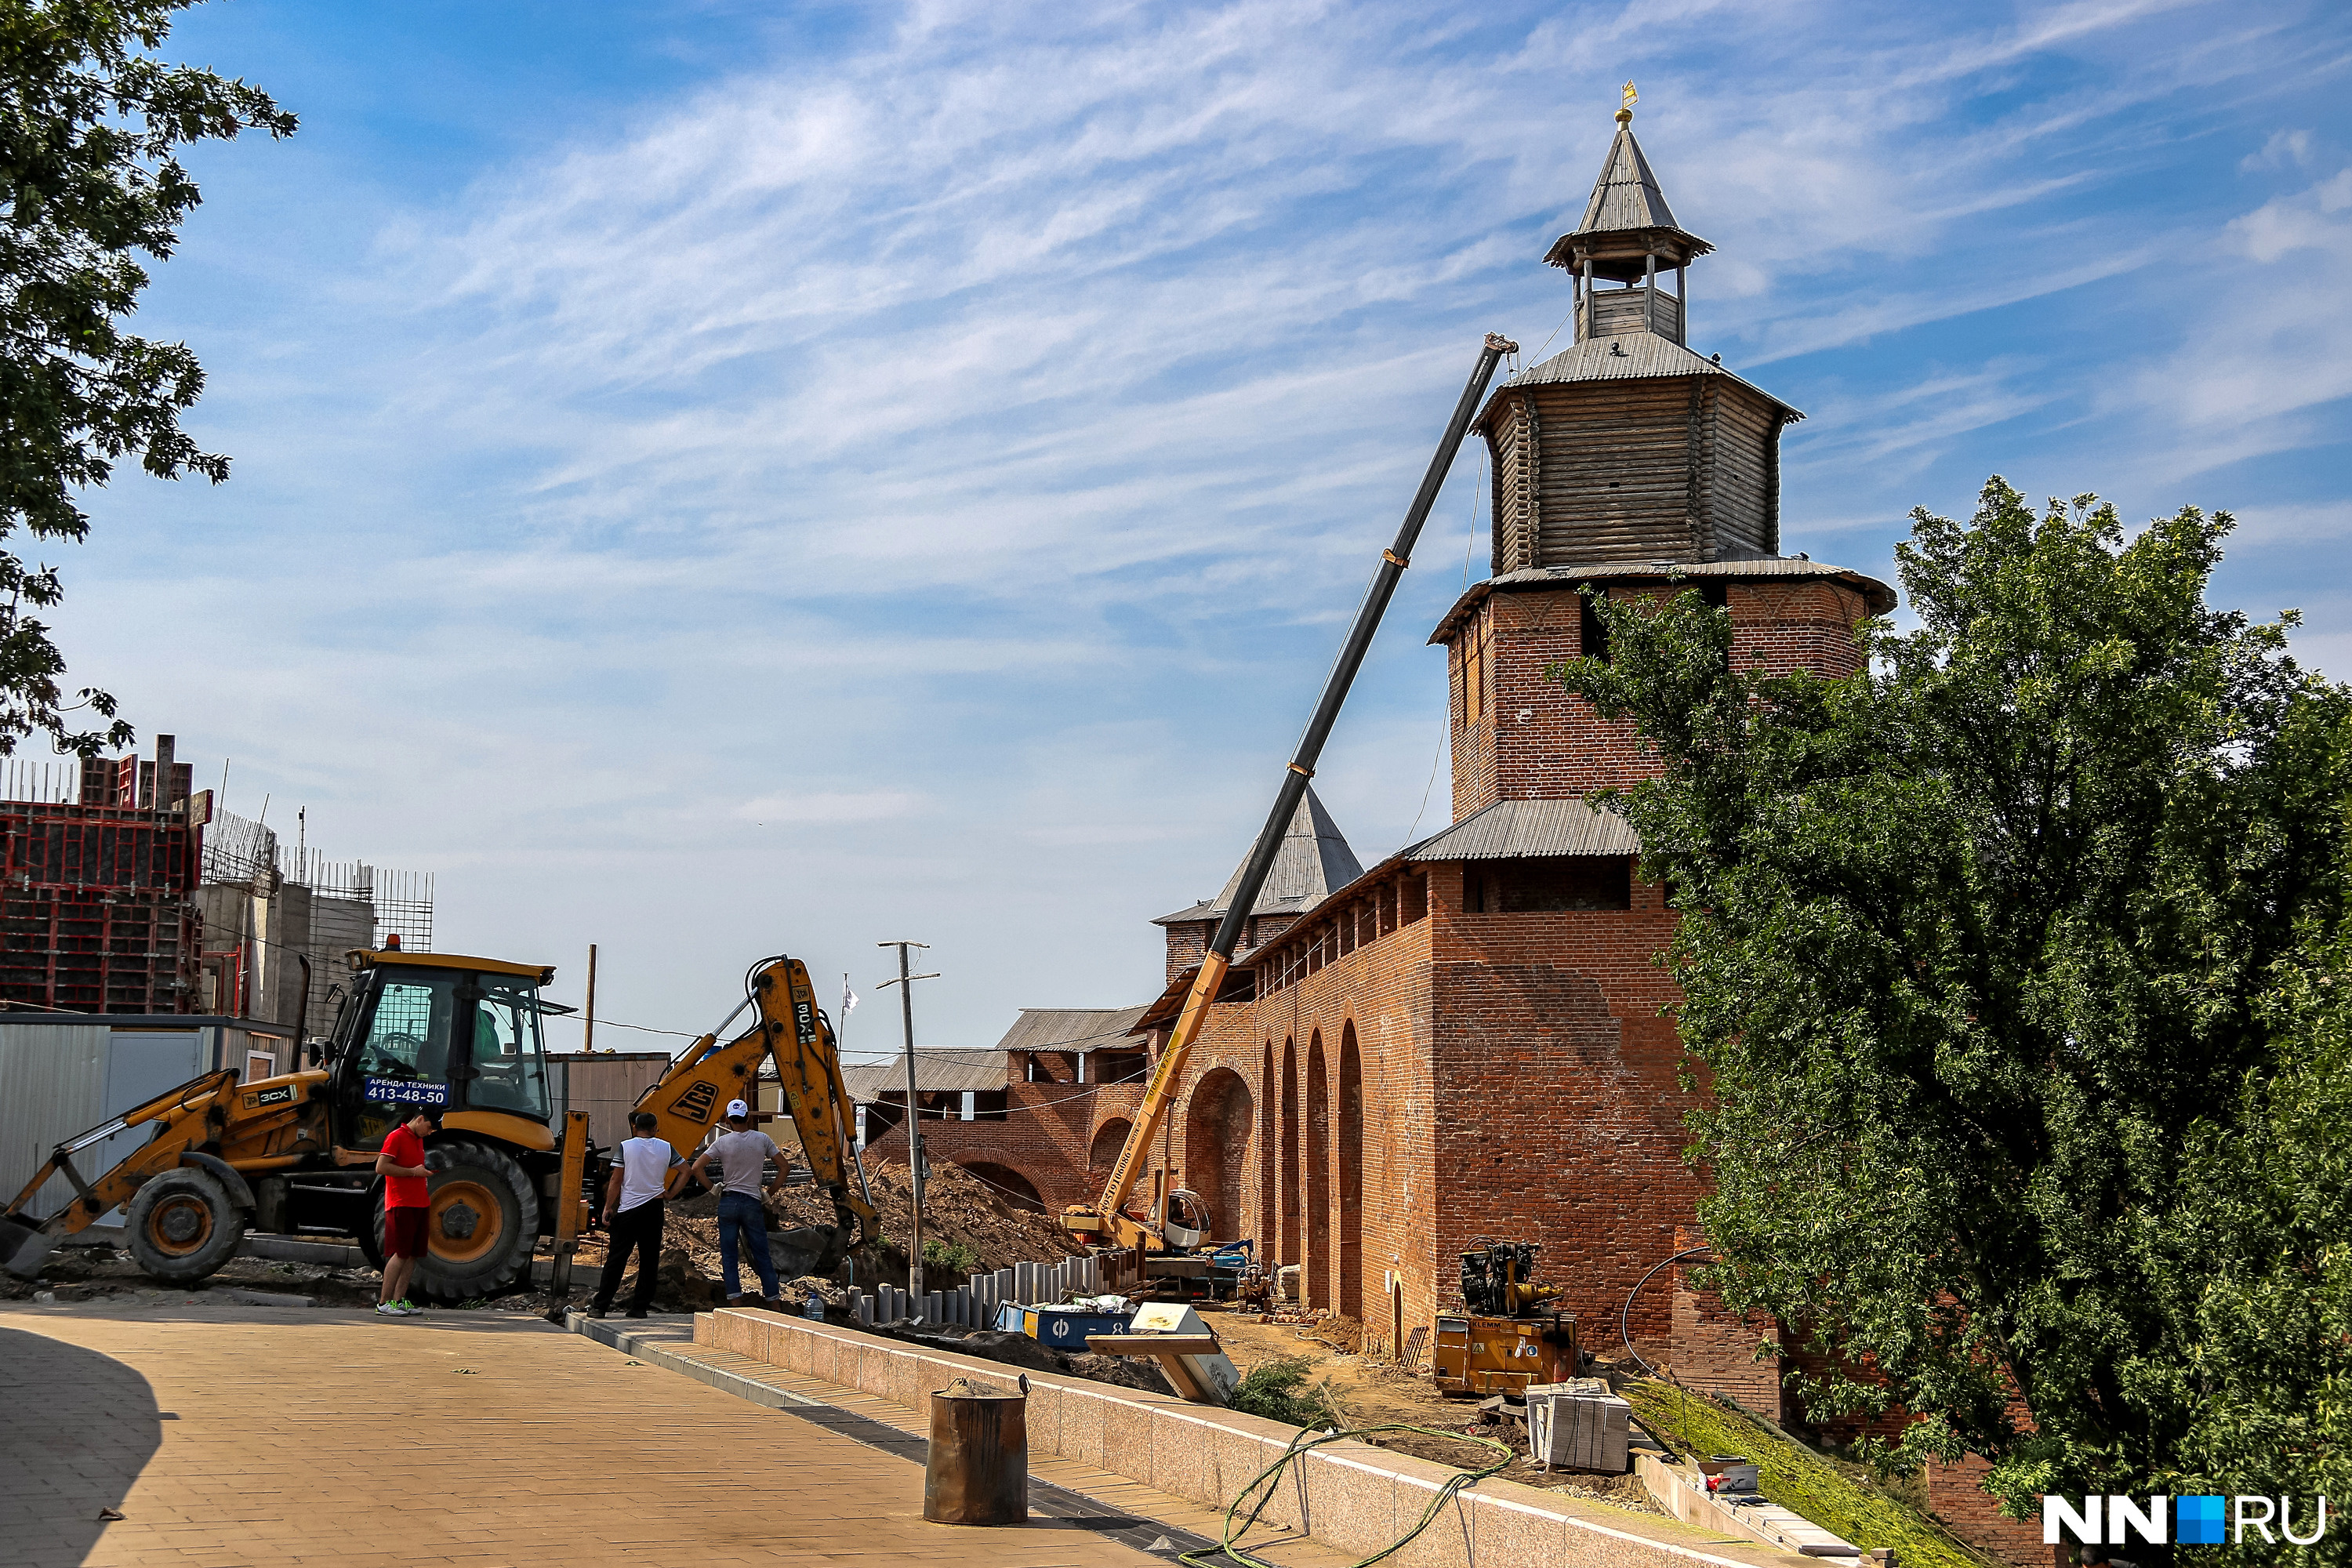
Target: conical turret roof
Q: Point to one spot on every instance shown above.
(1313, 863)
(1626, 196)
(1626, 219)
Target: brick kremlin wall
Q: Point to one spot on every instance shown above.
(1046, 1137)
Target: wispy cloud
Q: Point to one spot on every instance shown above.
(2270, 344)
(914, 472)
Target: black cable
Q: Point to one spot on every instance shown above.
(1625, 1314)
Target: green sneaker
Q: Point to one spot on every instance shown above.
(409, 1307)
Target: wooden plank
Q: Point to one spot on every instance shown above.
(1153, 1344)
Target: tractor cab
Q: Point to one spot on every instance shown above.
(462, 1034)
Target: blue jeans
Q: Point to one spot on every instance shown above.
(740, 1212)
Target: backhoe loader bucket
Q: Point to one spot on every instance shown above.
(24, 1248)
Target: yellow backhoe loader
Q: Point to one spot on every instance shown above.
(298, 1153)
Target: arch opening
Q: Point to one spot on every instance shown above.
(1351, 1177)
(1009, 1185)
(1216, 1147)
(1289, 1172)
(1319, 1177)
(1109, 1139)
(1263, 1218)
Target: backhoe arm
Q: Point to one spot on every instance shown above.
(191, 1116)
(692, 1095)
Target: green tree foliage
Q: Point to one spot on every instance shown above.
(2259, 1260)
(91, 124)
(1983, 957)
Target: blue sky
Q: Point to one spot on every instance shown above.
(716, 480)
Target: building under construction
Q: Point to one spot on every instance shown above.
(127, 892)
(98, 912)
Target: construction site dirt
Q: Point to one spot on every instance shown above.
(967, 1220)
(90, 1272)
(1369, 1392)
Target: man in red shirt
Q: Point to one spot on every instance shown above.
(401, 1163)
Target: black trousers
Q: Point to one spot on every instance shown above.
(637, 1230)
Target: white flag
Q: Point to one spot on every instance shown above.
(849, 999)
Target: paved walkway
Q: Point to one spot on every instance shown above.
(236, 1435)
(1173, 1522)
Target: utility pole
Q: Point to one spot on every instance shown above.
(589, 1042)
(906, 985)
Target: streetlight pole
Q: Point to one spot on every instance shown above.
(905, 982)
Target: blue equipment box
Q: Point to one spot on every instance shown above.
(1063, 1328)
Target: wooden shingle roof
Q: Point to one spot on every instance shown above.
(1631, 356)
(1523, 829)
(1625, 216)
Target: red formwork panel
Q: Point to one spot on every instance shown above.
(97, 909)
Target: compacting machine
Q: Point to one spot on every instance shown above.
(1510, 1337)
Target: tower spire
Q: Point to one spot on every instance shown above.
(1628, 235)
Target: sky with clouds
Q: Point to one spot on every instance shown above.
(714, 479)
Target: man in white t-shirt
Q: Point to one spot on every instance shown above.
(743, 1152)
(644, 1171)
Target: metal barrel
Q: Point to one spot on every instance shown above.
(977, 1470)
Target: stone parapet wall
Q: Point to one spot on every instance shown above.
(1349, 1496)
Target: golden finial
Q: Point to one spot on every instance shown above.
(1626, 110)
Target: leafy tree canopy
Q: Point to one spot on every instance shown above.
(90, 125)
(2016, 964)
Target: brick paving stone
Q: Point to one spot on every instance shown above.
(338, 1437)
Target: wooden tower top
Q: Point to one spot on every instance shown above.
(1628, 231)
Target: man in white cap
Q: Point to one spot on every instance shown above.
(743, 1152)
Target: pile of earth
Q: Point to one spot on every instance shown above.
(961, 1213)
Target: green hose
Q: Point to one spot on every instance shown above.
(1267, 1476)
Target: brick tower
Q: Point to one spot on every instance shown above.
(1633, 464)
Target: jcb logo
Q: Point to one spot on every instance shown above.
(696, 1103)
(282, 1094)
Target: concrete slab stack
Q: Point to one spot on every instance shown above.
(1578, 1425)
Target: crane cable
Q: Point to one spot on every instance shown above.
(1268, 1477)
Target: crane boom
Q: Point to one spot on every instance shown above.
(1104, 1218)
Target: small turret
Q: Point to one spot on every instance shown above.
(1627, 234)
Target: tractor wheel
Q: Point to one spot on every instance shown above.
(481, 1228)
(180, 1227)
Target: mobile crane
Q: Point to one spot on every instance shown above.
(1105, 1223)
(297, 1152)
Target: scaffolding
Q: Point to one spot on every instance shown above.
(97, 912)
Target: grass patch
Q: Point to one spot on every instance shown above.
(1278, 1389)
(1837, 1496)
(949, 1257)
